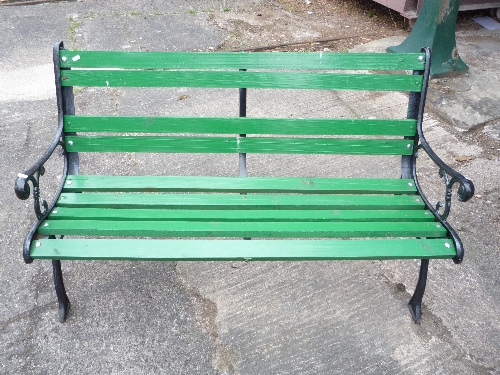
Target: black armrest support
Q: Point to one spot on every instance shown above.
(65, 105)
(32, 175)
(450, 176)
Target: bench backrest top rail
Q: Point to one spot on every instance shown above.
(242, 60)
(282, 70)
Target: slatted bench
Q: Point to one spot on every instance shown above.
(213, 218)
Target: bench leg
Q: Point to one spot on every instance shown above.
(60, 291)
(415, 304)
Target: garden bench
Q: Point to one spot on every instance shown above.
(214, 218)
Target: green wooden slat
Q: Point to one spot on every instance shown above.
(230, 250)
(86, 183)
(239, 125)
(209, 79)
(258, 145)
(241, 229)
(69, 213)
(238, 201)
(241, 60)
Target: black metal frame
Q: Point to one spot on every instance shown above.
(65, 105)
(451, 177)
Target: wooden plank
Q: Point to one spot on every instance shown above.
(260, 145)
(238, 201)
(86, 183)
(217, 79)
(242, 60)
(70, 213)
(297, 229)
(239, 125)
(231, 250)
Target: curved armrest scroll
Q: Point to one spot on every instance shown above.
(451, 177)
(33, 174)
(23, 191)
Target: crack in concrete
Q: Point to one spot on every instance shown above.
(25, 348)
(33, 312)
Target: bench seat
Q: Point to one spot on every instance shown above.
(370, 209)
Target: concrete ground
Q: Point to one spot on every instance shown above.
(242, 318)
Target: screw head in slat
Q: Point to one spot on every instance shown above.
(70, 143)
(64, 58)
(447, 244)
(409, 146)
(38, 244)
(69, 182)
(421, 58)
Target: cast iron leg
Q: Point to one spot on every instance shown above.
(415, 304)
(60, 291)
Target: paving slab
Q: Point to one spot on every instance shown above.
(465, 100)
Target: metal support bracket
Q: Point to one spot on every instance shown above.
(65, 105)
(451, 177)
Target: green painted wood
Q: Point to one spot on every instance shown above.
(241, 60)
(230, 250)
(216, 79)
(241, 229)
(238, 201)
(70, 213)
(269, 145)
(239, 125)
(86, 183)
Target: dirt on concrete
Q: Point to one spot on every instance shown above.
(312, 25)
(298, 25)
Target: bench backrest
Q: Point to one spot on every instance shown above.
(283, 70)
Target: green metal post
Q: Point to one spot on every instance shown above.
(435, 28)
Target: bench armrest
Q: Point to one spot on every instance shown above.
(32, 175)
(451, 177)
